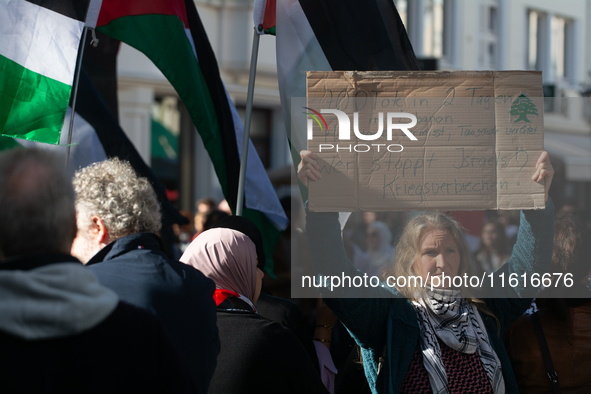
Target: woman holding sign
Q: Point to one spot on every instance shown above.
(432, 338)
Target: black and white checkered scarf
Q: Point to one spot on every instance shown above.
(444, 314)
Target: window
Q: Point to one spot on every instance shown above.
(533, 41)
(402, 7)
(488, 56)
(429, 24)
(551, 53)
(558, 47)
(433, 28)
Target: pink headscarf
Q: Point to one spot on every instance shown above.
(227, 257)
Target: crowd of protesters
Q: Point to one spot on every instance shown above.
(91, 302)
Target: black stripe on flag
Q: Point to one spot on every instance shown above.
(116, 144)
(360, 35)
(74, 9)
(211, 73)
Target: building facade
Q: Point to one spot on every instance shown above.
(544, 35)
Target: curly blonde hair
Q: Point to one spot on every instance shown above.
(111, 190)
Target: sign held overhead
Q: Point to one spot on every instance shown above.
(415, 140)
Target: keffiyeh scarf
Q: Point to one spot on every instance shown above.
(444, 314)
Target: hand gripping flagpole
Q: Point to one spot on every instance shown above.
(74, 92)
(246, 136)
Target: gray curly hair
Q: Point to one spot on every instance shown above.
(111, 190)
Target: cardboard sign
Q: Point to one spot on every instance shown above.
(474, 141)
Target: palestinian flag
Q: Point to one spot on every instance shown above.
(170, 33)
(95, 137)
(264, 16)
(324, 35)
(39, 43)
(85, 149)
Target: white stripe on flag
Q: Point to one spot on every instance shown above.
(94, 8)
(298, 50)
(258, 189)
(190, 37)
(258, 14)
(39, 39)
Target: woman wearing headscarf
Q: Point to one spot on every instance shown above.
(287, 313)
(257, 355)
(433, 338)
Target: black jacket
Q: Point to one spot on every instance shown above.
(126, 351)
(259, 356)
(137, 269)
(289, 315)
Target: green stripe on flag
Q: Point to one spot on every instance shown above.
(163, 39)
(32, 106)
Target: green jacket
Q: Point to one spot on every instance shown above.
(389, 322)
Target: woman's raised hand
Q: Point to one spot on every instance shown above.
(308, 167)
(544, 172)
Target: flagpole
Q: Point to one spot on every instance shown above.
(74, 92)
(246, 136)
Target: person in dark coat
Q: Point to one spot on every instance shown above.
(564, 315)
(258, 355)
(118, 216)
(280, 310)
(60, 330)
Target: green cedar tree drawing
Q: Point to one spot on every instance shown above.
(522, 107)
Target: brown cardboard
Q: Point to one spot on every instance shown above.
(472, 151)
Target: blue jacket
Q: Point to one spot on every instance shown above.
(389, 322)
(136, 268)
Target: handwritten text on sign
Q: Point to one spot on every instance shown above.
(424, 140)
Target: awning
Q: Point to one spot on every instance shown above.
(574, 151)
